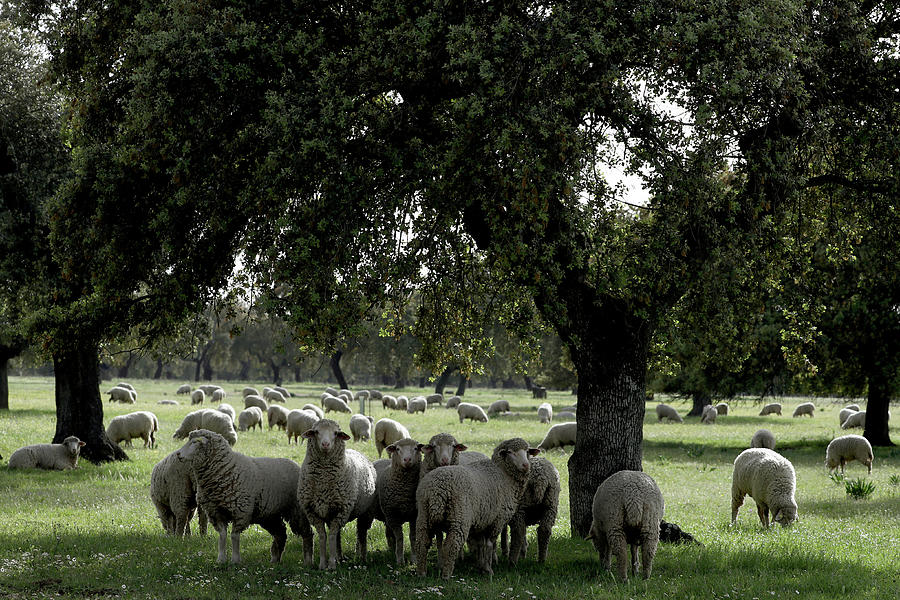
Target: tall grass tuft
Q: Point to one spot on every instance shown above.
(859, 488)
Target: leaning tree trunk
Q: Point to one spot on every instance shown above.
(79, 408)
(877, 404)
(441, 381)
(336, 369)
(701, 398)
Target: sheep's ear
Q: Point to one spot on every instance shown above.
(426, 448)
(309, 433)
(342, 435)
(390, 448)
(461, 447)
(81, 444)
(534, 451)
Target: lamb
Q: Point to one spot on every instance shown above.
(558, 436)
(857, 419)
(722, 408)
(277, 416)
(241, 490)
(846, 448)
(274, 396)
(250, 418)
(173, 492)
(471, 502)
(709, 414)
(453, 402)
(314, 409)
(466, 410)
(337, 485)
(545, 412)
(396, 489)
(773, 408)
(332, 403)
(435, 399)
(198, 396)
(417, 404)
(388, 431)
(184, 389)
(249, 391)
(498, 406)
(763, 438)
(769, 479)
(664, 411)
(845, 412)
(805, 408)
(209, 419)
(298, 422)
(141, 424)
(402, 402)
(227, 409)
(123, 395)
(627, 511)
(539, 506)
(256, 401)
(361, 427)
(218, 395)
(58, 457)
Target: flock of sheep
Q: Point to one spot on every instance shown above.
(446, 493)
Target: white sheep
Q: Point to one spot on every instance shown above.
(283, 391)
(184, 389)
(565, 415)
(58, 457)
(417, 404)
(198, 396)
(857, 419)
(628, 507)
(257, 401)
(141, 424)
(242, 490)
(395, 487)
(402, 402)
(545, 412)
(709, 414)
(121, 394)
(467, 410)
(298, 422)
(471, 502)
(453, 402)
(167, 401)
(206, 418)
(769, 479)
(249, 391)
(442, 450)
(435, 399)
(337, 485)
(722, 408)
(539, 506)
(274, 396)
(126, 385)
(250, 418)
(337, 404)
(558, 436)
(346, 395)
(763, 438)
(846, 448)
(853, 407)
(173, 492)
(361, 427)
(497, 406)
(664, 411)
(773, 408)
(388, 431)
(218, 395)
(314, 409)
(227, 409)
(388, 401)
(278, 416)
(805, 408)
(209, 388)
(845, 412)
(332, 391)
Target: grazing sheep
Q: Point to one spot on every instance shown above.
(396, 489)
(256, 401)
(206, 418)
(346, 395)
(773, 408)
(539, 505)
(227, 409)
(337, 485)
(565, 415)
(558, 436)
(277, 416)
(417, 404)
(170, 402)
(722, 408)
(471, 502)
(388, 401)
(453, 402)
(298, 422)
(627, 511)
(361, 395)
(361, 427)
(209, 388)
(846, 448)
(845, 412)
(333, 403)
(498, 406)
(241, 490)
(173, 492)
(283, 391)
(402, 402)
(857, 419)
(198, 396)
(388, 431)
(763, 438)
(709, 414)
(126, 385)
(435, 399)
(854, 407)
(545, 412)
(218, 395)
(250, 418)
(184, 389)
(123, 395)
(664, 411)
(314, 409)
(332, 391)
(805, 408)
(249, 391)
(274, 396)
(466, 410)
(54, 457)
(141, 424)
(769, 479)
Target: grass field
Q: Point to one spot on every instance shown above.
(93, 532)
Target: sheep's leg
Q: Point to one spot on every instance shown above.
(362, 532)
(202, 520)
(222, 528)
(602, 546)
(456, 537)
(423, 542)
(412, 542)
(737, 499)
(634, 559)
(439, 543)
(648, 552)
(236, 542)
(763, 511)
(517, 532)
(395, 542)
(334, 542)
(545, 528)
(323, 544)
(619, 547)
(277, 530)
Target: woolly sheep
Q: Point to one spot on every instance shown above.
(170, 402)
(709, 414)
(337, 485)
(417, 404)
(857, 419)
(435, 399)
(773, 408)
(126, 385)
(664, 411)
(402, 402)
(333, 403)
(227, 409)
(346, 395)
(627, 510)
(241, 490)
(257, 401)
(198, 396)
(218, 395)
(314, 409)
(453, 402)
(545, 412)
(854, 407)
(395, 487)
(565, 415)
(471, 502)
(498, 406)
(388, 431)
(769, 479)
(141, 424)
(361, 395)
(209, 388)
(206, 418)
(466, 410)
(298, 422)
(846, 448)
(558, 436)
(442, 450)
(332, 391)
(388, 401)
(123, 395)
(539, 506)
(805, 408)
(274, 396)
(249, 391)
(250, 418)
(722, 408)
(173, 492)
(184, 389)
(763, 438)
(277, 416)
(361, 427)
(845, 412)
(283, 391)
(57, 457)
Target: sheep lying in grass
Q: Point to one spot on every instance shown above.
(497, 406)
(846, 448)
(388, 431)
(250, 418)
(709, 415)
(539, 505)
(773, 408)
(167, 401)
(361, 427)
(664, 411)
(466, 410)
(565, 415)
(627, 511)
(769, 479)
(562, 434)
(206, 418)
(396, 489)
(545, 412)
(173, 492)
(298, 422)
(763, 438)
(853, 407)
(857, 419)
(58, 457)
(241, 490)
(805, 408)
(141, 424)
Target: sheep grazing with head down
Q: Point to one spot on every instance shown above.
(763, 438)
(417, 404)
(184, 389)
(361, 427)
(227, 409)
(857, 419)
(773, 408)
(846, 448)
(206, 418)
(140, 424)
(545, 412)
(558, 436)
(298, 422)
(769, 479)
(388, 431)
(496, 407)
(467, 410)
(805, 408)
(122, 394)
(198, 396)
(845, 414)
(58, 457)
(664, 411)
(314, 409)
(250, 418)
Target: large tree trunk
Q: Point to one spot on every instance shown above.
(159, 369)
(276, 371)
(336, 369)
(441, 381)
(701, 398)
(877, 404)
(4, 382)
(124, 369)
(463, 384)
(79, 408)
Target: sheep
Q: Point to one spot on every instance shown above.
(664, 411)
(333, 403)
(314, 409)
(402, 402)
(565, 415)
(298, 422)
(209, 388)
(126, 385)
(627, 511)
(141, 424)
(805, 408)
(417, 404)
(361, 396)
(361, 427)
(274, 396)
(241, 490)
(169, 402)
(763, 438)
(395, 487)
(227, 409)
(250, 418)
(558, 436)
(498, 406)
(471, 502)
(388, 401)
(249, 391)
(337, 485)
(846, 448)
(257, 401)
(538, 392)
(332, 391)
(209, 419)
(857, 419)
(769, 479)
(184, 389)
(709, 414)
(173, 492)
(277, 416)
(845, 412)
(123, 395)
(283, 391)
(435, 399)
(466, 410)
(198, 396)
(58, 457)
(442, 450)
(722, 408)
(453, 402)
(854, 407)
(346, 395)
(545, 412)
(539, 506)
(773, 408)
(218, 395)
(388, 431)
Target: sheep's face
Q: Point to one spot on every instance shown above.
(518, 459)
(73, 445)
(326, 435)
(785, 516)
(405, 454)
(190, 448)
(445, 451)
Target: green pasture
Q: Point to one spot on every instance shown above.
(93, 532)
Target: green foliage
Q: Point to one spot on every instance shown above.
(837, 478)
(894, 480)
(859, 488)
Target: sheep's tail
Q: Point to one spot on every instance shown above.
(592, 533)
